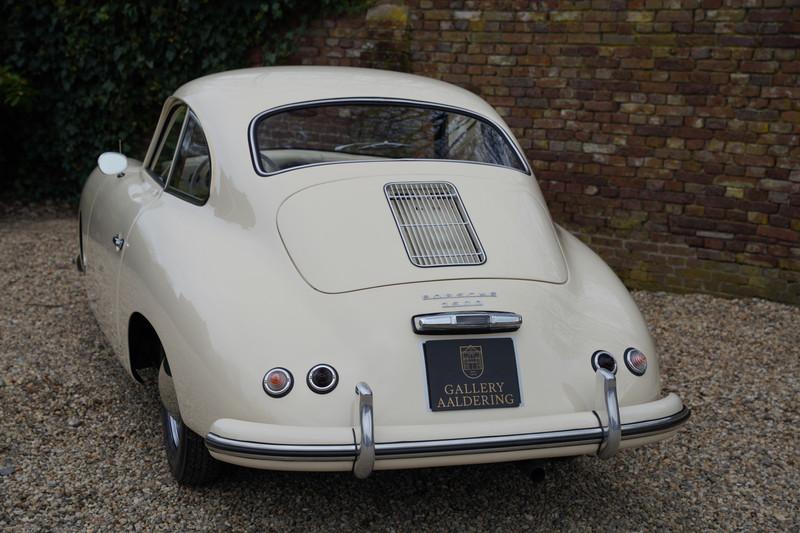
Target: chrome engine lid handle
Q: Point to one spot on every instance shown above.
(466, 322)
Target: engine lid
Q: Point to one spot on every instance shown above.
(351, 234)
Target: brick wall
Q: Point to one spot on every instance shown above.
(665, 133)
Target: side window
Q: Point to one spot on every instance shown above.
(162, 162)
(191, 175)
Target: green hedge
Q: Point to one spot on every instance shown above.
(79, 77)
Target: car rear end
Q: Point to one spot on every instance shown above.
(461, 324)
(404, 248)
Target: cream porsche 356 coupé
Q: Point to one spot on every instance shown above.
(337, 269)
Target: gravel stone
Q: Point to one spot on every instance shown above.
(736, 363)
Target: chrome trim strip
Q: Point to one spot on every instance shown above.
(281, 452)
(466, 322)
(476, 445)
(609, 413)
(370, 100)
(647, 428)
(365, 454)
(466, 446)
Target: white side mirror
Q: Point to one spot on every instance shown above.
(112, 163)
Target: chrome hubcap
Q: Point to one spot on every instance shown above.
(174, 428)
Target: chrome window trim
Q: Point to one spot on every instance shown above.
(162, 138)
(372, 100)
(177, 192)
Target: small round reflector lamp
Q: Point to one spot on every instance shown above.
(635, 361)
(278, 382)
(603, 359)
(322, 379)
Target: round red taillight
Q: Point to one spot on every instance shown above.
(278, 382)
(636, 361)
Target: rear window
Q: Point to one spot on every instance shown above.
(327, 133)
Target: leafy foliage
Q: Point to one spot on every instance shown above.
(80, 77)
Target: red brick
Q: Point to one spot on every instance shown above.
(769, 15)
(767, 67)
(784, 234)
(646, 114)
(781, 41)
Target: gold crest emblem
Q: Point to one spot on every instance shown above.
(471, 361)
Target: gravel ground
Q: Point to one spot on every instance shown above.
(80, 443)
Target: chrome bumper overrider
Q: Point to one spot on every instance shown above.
(365, 453)
(608, 435)
(608, 413)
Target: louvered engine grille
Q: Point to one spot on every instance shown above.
(434, 225)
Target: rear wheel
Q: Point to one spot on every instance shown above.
(187, 455)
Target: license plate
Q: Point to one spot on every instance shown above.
(471, 374)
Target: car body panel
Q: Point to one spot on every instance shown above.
(341, 239)
(116, 205)
(222, 337)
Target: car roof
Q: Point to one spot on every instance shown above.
(243, 94)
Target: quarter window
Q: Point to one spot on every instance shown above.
(190, 176)
(162, 162)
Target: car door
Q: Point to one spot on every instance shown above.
(165, 243)
(119, 202)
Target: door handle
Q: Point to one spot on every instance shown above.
(118, 241)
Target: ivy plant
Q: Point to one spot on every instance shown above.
(78, 78)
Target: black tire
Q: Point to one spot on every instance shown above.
(188, 457)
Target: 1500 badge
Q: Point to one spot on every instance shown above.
(460, 299)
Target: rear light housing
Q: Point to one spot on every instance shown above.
(636, 361)
(603, 359)
(322, 378)
(278, 382)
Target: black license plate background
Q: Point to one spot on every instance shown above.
(471, 374)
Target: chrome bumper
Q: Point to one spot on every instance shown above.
(608, 435)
